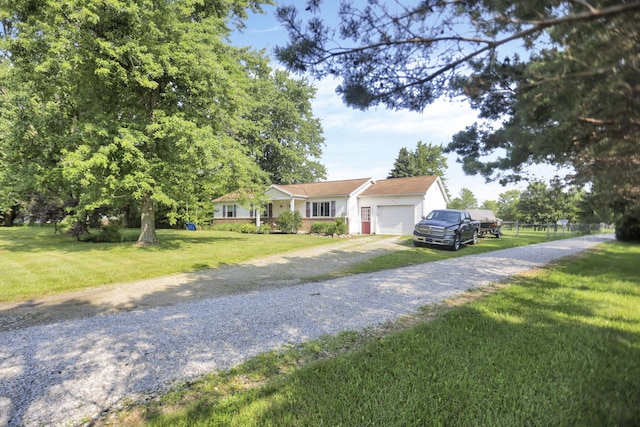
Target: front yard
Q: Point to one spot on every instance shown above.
(35, 262)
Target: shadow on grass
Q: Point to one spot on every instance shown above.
(43, 239)
(133, 345)
(537, 353)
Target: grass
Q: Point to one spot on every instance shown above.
(36, 262)
(428, 254)
(557, 347)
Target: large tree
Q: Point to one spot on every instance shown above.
(425, 160)
(281, 133)
(465, 200)
(507, 208)
(540, 203)
(570, 98)
(125, 100)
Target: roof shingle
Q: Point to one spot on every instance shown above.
(400, 186)
(324, 189)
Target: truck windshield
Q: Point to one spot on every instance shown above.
(444, 216)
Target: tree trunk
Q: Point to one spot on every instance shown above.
(148, 223)
(124, 216)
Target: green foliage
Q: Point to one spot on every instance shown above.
(573, 102)
(338, 226)
(227, 227)
(322, 227)
(628, 226)
(465, 200)
(117, 103)
(109, 233)
(425, 160)
(264, 229)
(491, 205)
(542, 204)
(289, 222)
(507, 208)
(248, 228)
(282, 135)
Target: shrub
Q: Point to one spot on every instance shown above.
(330, 228)
(227, 227)
(321, 227)
(108, 234)
(628, 226)
(248, 229)
(264, 229)
(289, 222)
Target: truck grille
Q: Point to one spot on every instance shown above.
(431, 231)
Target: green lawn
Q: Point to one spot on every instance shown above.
(485, 244)
(36, 262)
(560, 347)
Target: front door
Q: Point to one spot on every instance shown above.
(365, 213)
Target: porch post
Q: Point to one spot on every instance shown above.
(292, 205)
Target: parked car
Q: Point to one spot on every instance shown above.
(489, 223)
(446, 227)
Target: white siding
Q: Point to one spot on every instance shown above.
(407, 214)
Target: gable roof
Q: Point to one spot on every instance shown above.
(323, 189)
(400, 186)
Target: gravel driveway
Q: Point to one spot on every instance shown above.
(66, 372)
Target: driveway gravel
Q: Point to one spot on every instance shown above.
(70, 371)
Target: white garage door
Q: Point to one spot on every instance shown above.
(396, 219)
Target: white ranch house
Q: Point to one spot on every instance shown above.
(389, 206)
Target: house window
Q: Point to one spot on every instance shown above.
(321, 209)
(229, 211)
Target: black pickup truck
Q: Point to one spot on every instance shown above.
(446, 227)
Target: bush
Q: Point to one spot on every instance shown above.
(628, 226)
(108, 234)
(289, 222)
(322, 227)
(330, 228)
(264, 229)
(227, 227)
(248, 229)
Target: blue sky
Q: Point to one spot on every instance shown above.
(363, 144)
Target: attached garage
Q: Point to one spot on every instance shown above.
(399, 219)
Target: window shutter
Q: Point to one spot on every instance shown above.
(235, 214)
(224, 211)
(333, 209)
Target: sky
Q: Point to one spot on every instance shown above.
(365, 144)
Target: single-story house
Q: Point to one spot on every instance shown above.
(389, 206)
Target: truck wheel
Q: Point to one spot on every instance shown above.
(475, 238)
(456, 243)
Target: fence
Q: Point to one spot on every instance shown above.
(553, 229)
